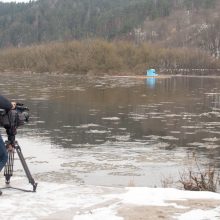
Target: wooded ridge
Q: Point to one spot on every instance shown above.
(173, 23)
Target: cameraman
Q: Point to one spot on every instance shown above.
(6, 105)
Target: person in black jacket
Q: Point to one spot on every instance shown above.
(6, 105)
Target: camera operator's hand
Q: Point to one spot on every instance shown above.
(13, 105)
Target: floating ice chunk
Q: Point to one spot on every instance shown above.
(111, 118)
(97, 132)
(175, 132)
(169, 138)
(195, 144)
(210, 114)
(211, 146)
(122, 138)
(211, 139)
(87, 125)
(40, 122)
(191, 127)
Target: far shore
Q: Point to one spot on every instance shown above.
(101, 57)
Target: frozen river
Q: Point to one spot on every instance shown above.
(113, 131)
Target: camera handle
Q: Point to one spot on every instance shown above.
(8, 171)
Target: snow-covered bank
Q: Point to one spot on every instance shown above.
(58, 196)
(62, 201)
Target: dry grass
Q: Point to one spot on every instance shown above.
(98, 56)
(200, 179)
(168, 182)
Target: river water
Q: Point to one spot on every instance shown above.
(116, 131)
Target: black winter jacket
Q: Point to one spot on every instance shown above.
(5, 103)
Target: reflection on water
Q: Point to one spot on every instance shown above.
(151, 82)
(114, 130)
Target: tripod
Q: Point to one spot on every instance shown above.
(8, 171)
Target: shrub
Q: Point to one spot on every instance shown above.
(199, 179)
(100, 56)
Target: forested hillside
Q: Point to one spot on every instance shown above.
(174, 23)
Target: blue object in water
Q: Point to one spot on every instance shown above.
(151, 72)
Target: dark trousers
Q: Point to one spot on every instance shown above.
(3, 153)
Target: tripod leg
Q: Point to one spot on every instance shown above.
(25, 167)
(8, 170)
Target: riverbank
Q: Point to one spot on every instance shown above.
(101, 57)
(83, 202)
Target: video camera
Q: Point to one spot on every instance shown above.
(12, 119)
(15, 117)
